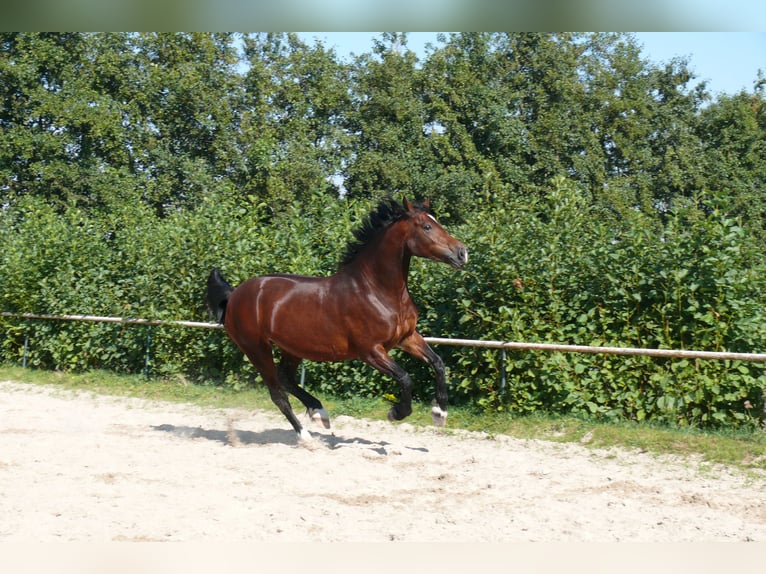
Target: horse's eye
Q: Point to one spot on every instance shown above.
(426, 227)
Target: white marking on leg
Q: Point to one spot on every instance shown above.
(305, 435)
(305, 440)
(438, 416)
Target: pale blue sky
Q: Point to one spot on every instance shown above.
(729, 61)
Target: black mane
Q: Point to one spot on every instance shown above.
(387, 212)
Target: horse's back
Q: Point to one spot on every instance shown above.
(291, 311)
(262, 293)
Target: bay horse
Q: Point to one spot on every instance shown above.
(361, 312)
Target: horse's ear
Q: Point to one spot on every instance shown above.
(407, 205)
(427, 204)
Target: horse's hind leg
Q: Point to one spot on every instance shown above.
(288, 366)
(263, 359)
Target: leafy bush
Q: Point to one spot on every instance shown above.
(548, 270)
(554, 271)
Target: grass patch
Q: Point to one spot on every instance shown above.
(744, 450)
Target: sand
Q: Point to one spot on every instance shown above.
(76, 466)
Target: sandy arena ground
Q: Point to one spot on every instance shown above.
(81, 467)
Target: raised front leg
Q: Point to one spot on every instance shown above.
(381, 360)
(416, 346)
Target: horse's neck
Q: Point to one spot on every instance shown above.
(384, 266)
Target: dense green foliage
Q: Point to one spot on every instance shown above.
(603, 200)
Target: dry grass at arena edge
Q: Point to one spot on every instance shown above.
(740, 449)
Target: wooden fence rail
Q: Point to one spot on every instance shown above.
(506, 345)
(502, 346)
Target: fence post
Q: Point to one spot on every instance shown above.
(26, 348)
(502, 373)
(148, 350)
(763, 411)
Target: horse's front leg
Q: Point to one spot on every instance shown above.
(381, 360)
(416, 346)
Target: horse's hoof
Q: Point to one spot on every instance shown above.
(438, 416)
(305, 440)
(391, 415)
(320, 416)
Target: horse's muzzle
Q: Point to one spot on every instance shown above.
(458, 257)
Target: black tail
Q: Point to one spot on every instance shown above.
(218, 291)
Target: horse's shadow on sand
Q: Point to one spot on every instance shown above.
(233, 437)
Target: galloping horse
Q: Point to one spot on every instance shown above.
(362, 311)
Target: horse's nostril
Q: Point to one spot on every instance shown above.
(462, 254)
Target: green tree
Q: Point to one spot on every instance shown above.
(50, 123)
(186, 112)
(93, 119)
(292, 134)
(522, 108)
(462, 101)
(386, 121)
(733, 132)
(673, 145)
(512, 105)
(402, 139)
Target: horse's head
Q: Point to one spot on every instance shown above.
(427, 238)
